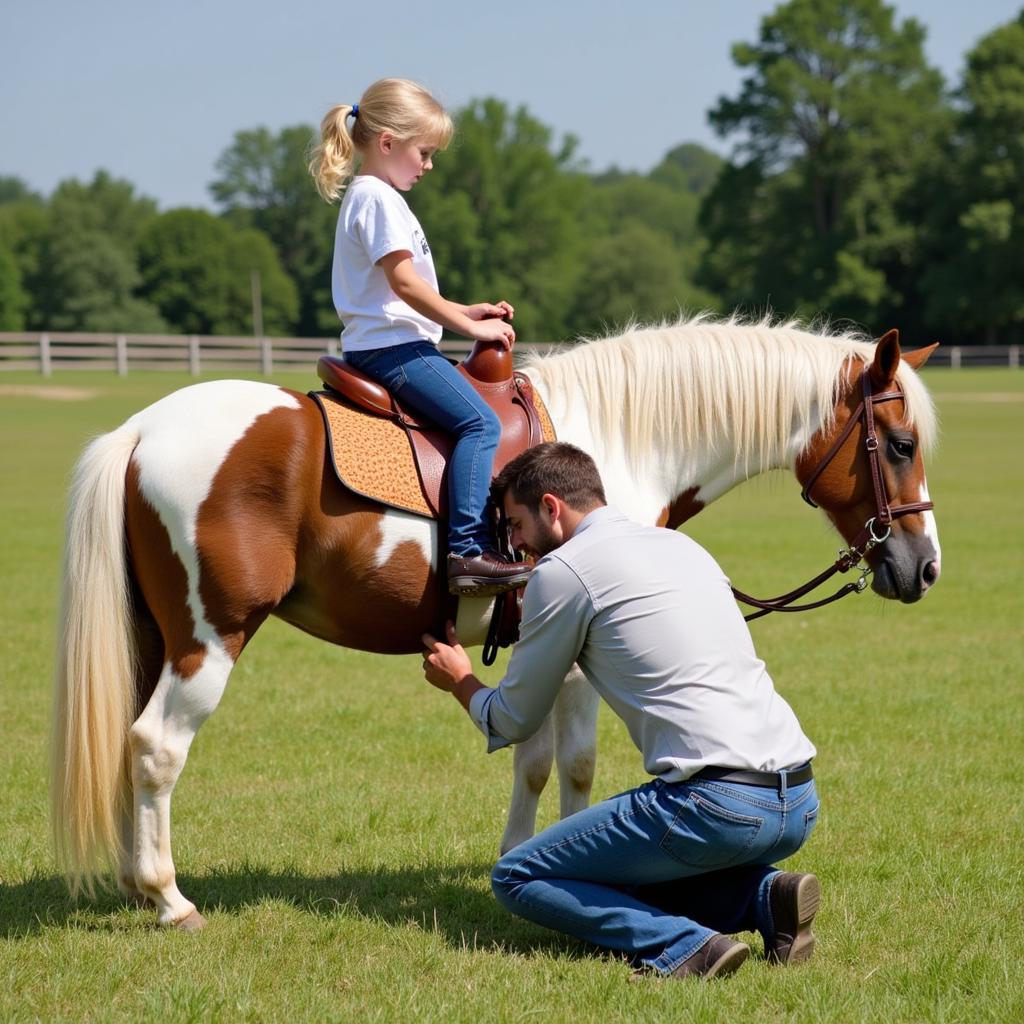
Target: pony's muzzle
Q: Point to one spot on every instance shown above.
(903, 573)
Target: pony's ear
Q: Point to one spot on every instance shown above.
(919, 356)
(887, 359)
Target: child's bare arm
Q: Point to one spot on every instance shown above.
(412, 289)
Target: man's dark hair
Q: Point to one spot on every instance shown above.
(551, 468)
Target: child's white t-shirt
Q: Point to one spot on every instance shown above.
(375, 220)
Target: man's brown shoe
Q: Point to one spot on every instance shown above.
(719, 956)
(485, 574)
(794, 900)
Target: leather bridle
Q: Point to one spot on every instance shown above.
(874, 532)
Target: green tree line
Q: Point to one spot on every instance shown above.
(860, 187)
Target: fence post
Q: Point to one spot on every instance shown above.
(954, 358)
(266, 357)
(332, 346)
(193, 356)
(1015, 357)
(45, 363)
(122, 356)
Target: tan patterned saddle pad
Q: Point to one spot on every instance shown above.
(385, 452)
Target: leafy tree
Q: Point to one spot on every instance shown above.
(264, 184)
(973, 281)
(643, 248)
(84, 274)
(197, 271)
(688, 168)
(13, 299)
(836, 118)
(635, 199)
(22, 228)
(632, 274)
(14, 190)
(98, 279)
(105, 204)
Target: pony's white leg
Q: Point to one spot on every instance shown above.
(531, 766)
(160, 740)
(126, 861)
(575, 716)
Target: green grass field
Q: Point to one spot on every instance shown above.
(337, 818)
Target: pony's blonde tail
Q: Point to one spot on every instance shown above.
(95, 665)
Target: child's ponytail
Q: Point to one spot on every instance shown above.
(333, 159)
(394, 105)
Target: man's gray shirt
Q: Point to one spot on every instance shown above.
(651, 620)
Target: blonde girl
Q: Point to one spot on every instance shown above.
(385, 291)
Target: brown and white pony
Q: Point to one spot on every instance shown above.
(216, 507)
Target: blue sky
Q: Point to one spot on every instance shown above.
(154, 92)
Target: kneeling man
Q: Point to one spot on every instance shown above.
(666, 872)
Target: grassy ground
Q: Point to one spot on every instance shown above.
(337, 820)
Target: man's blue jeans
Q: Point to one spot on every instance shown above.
(655, 872)
(421, 377)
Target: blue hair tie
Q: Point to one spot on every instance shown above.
(355, 110)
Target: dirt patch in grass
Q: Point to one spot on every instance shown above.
(55, 393)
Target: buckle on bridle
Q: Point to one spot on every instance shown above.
(853, 557)
(875, 539)
(861, 584)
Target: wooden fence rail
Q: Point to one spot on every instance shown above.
(51, 351)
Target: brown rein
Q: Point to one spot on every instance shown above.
(867, 538)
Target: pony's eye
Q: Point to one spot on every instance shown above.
(902, 447)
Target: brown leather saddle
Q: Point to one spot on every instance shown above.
(365, 424)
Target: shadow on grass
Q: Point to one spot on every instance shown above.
(453, 901)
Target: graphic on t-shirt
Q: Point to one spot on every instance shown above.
(421, 239)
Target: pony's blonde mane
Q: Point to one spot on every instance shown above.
(711, 382)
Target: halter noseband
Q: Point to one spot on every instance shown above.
(867, 538)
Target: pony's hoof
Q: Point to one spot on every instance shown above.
(192, 922)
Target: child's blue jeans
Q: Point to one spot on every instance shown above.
(421, 377)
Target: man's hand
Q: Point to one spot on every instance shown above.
(447, 666)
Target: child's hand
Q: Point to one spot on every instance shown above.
(494, 330)
(488, 310)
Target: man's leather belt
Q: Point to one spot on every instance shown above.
(745, 777)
